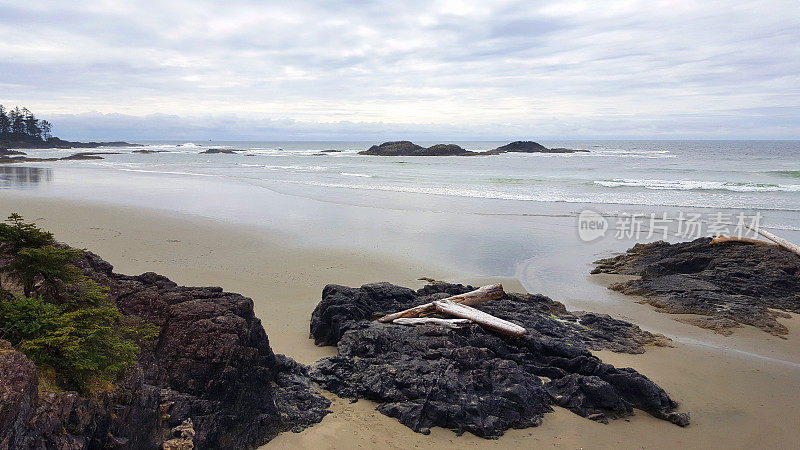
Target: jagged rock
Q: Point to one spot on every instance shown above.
(183, 437)
(730, 284)
(7, 152)
(343, 307)
(18, 393)
(212, 363)
(470, 379)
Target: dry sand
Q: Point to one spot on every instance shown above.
(736, 400)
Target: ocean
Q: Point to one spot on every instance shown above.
(508, 215)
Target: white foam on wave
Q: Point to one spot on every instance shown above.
(362, 175)
(689, 185)
(168, 172)
(296, 168)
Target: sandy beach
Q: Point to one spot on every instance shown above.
(736, 400)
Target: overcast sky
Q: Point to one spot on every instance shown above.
(416, 69)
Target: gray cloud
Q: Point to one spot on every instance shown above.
(356, 69)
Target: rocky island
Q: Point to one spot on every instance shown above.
(408, 148)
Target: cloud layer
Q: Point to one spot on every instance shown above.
(350, 69)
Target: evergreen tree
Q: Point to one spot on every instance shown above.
(31, 124)
(5, 123)
(65, 322)
(46, 129)
(17, 122)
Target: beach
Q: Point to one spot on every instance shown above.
(736, 388)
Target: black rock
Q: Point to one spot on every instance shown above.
(473, 380)
(87, 155)
(212, 151)
(147, 152)
(7, 152)
(730, 284)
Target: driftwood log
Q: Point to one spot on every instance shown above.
(481, 295)
(723, 239)
(463, 311)
(450, 323)
(776, 239)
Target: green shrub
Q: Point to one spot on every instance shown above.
(16, 235)
(70, 328)
(86, 344)
(49, 264)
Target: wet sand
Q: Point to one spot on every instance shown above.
(736, 400)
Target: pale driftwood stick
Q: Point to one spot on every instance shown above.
(476, 297)
(723, 239)
(450, 323)
(776, 239)
(481, 318)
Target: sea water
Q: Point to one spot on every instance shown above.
(511, 214)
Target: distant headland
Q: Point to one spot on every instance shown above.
(408, 148)
(19, 128)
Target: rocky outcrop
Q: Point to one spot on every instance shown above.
(149, 152)
(522, 147)
(214, 151)
(7, 152)
(212, 364)
(728, 284)
(407, 148)
(472, 380)
(87, 155)
(81, 156)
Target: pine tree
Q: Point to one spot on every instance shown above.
(46, 127)
(5, 123)
(17, 122)
(31, 124)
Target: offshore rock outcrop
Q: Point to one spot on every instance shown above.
(80, 156)
(212, 364)
(408, 148)
(472, 380)
(212, 151)
(728, 284)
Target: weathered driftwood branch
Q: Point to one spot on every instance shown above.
(486, 320)
(776, 239)
(450, 323)
(723, 239)
(476, 297)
